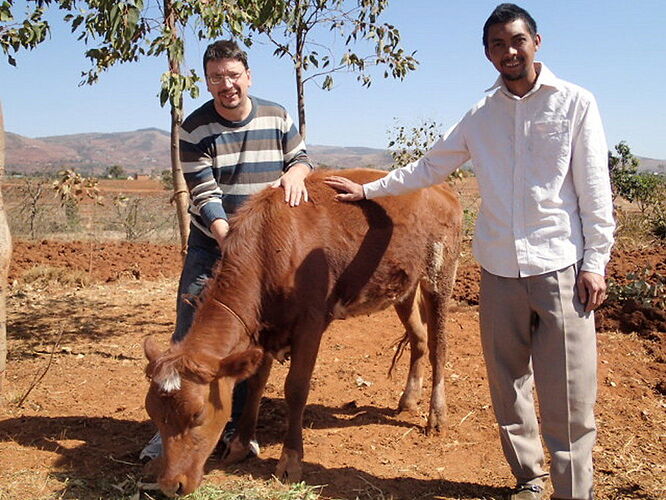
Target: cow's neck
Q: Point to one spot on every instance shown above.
(225, 322)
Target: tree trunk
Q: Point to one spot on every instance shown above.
(180, 193)
(181, 196)
(300, 91)
(300, 48)
(5, 256)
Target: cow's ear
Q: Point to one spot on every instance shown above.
(241, 365)
(151, 349)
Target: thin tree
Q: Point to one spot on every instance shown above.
(5, 256)
(32, 198)
(293, 33)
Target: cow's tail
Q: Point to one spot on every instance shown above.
(400, 346)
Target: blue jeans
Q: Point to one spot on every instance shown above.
(202, 254)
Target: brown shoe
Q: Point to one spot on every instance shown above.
(527, 492)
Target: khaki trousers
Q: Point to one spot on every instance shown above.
(534, 331)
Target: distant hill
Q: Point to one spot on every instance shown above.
(141, 151)
(147, 150)
(349, 157)
(652, 165)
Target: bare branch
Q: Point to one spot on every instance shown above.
(39, 378)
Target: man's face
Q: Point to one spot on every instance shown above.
(228, 81)
(511, 48)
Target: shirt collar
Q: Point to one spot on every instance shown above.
(545, 78)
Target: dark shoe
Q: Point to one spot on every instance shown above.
(527, 492)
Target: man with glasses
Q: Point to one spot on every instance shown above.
(231, 147)
(543, 239)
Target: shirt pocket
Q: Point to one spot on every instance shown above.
(550, 142)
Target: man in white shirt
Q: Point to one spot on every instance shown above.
(543, 239)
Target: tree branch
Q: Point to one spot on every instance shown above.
(40, 377)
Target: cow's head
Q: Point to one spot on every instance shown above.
(189, 400)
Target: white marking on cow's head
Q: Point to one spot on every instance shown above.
(170, 382)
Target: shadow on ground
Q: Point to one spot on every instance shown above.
(94, 454)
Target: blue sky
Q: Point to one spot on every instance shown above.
(615, 48)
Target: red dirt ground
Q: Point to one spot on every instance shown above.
(78, 433)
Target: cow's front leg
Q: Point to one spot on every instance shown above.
(296, 388)
(239, 446)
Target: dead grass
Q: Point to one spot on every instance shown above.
(44, 277)
(633, 230)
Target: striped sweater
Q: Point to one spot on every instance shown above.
(224, 162)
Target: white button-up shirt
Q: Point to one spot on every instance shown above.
(541, 163)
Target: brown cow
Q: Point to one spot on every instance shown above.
(285, 275)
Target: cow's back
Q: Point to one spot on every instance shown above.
(349, 258)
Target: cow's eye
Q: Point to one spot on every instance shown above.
(197, 417)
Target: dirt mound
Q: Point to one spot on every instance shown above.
(102, 261)
(634, 271)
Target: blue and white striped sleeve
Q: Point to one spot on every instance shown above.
(197, 164)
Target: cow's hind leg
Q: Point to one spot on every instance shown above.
(436, 301)
(412, 315)
(306, 340)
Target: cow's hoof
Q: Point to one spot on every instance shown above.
(289, 469)
(436, 425)
(408, 405)
(235, 452)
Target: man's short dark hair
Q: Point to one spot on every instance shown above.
(224, 49)
(506, 13)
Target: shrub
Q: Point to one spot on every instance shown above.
(646, 189)
(408, 144)
(645, 287)
(166, 178)
(138, 217)
(33, 193)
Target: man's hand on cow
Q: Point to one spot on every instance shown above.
(219, 228)
(293, 183)
(591, 289)
(351, 191)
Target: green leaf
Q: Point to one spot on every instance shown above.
(164, 96)
(114, 17)
(133, 16)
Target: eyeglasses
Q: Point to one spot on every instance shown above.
(231, 78)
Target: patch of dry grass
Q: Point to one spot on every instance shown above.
(43, 277)
(633, 230)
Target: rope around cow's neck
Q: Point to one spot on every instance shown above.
(233, 313)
